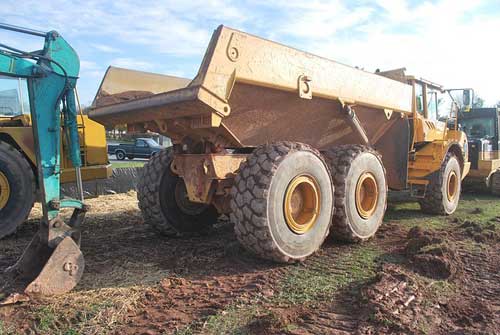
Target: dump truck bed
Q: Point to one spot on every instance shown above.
(250, 91)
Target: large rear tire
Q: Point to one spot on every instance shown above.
(282, 202)
(17, 189)
(495, 183)
(443, 192)
(360, 192)
(163, 200)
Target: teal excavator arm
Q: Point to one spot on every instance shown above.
(53, 261)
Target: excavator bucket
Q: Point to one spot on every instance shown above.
(119, 85)
(50, 271)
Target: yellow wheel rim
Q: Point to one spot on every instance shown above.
(302, 204)
(4, 190)
(452, 184)
(366, 195)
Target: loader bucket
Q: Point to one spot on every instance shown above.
(50, 271)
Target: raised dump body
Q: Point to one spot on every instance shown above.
(250, 91)
(282, 140)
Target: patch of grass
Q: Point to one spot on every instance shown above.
(232, 320)
(318, 279)
(186, 331)
(88, 312)
(46, 318)
(7, 330)
(408, 214)
(480, 208)
(128, 164)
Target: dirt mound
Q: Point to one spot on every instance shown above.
(431, 255)
(481, 233)
(393, 301)
(267, 324)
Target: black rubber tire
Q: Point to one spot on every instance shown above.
(257, 200)
(22, 189)
(130, 157)
(157, 200)
(436, 200)
(120, 155)
(347, 164)
(495, 183)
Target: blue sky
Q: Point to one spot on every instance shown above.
(454, 43)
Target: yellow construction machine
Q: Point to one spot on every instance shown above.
(18, 187)
(289, 144)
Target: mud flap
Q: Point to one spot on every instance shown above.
(52, 271)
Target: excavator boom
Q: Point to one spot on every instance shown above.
(53, 261)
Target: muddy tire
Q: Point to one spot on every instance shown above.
(360, 192)
(282, 202)
(17, 189)
(443, 192)
(495, 183)
(163, 200)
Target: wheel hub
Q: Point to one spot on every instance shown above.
(452, 186)
(4, 190)
(366, 195)
(182, 199)
(302, 204)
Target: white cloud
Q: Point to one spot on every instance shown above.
(106, 48)
(171, 27)
(440, 39)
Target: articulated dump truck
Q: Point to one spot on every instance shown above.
(291, 145)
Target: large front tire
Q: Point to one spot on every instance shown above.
(17, 189)
(443, 192)
(495, 183)
(360, 192)
(282, 202)
(163, 200)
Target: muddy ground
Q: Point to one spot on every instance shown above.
(419, 275)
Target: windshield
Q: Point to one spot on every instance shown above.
(13, 96)
(151, 142)
(479, 128)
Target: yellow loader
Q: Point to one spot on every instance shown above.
(18, 185)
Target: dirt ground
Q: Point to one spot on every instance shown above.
(419, 275)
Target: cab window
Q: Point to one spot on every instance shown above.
(419, 95)
(141, 143)
(432, 105)
(13, 96)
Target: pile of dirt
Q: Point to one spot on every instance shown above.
(432, 255)
(268, 324)
(394, 301)
(481, 233)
